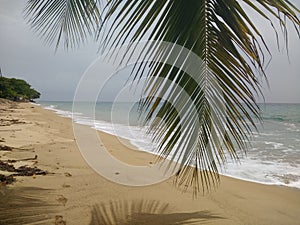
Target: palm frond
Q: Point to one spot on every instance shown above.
(220, 33)
(70, 20)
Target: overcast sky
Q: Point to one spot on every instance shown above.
(56, 75)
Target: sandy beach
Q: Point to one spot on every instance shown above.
(73, 193)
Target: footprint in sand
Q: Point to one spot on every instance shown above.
(62, 199)
(68, 174)
(59, 220)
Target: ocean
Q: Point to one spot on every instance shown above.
(273, 157)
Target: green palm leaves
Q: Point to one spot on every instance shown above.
(199, 111)
(72, 20)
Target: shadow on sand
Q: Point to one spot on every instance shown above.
(26, 206)
(145, 212)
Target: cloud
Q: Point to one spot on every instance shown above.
(56, 75)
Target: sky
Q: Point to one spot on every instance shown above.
(56, 74)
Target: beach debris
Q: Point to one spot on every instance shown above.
(117, 173)
(29, 171)
(6, 167)
(8, 122)
(66, 185)
(5, 148)
(59, 220)
(4, 180)
(20, 171)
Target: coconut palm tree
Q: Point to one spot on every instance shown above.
(210, 116)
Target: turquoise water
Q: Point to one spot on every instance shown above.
(273, 158)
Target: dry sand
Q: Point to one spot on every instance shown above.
(72, 193)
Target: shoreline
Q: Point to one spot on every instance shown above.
(282, 176)
(74, 193)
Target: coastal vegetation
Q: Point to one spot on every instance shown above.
(17, 90)
(223, 95)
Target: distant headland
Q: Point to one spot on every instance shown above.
(17, 90)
